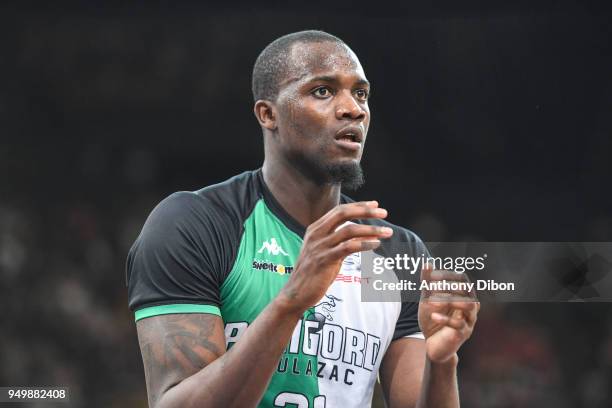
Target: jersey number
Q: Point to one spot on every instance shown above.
(299, 400)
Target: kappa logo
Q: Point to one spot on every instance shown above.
(272, 247)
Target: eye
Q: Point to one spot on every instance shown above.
(322, 92)
(362, 94)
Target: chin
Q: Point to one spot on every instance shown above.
(346, 172)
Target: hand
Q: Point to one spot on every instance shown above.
(447, 318)
(325, 247)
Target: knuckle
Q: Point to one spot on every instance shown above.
(352, 246)
(343, 211)
(373, 230)
(352, 229)
(309, 232)
(343, 246)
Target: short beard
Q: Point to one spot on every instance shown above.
(350, 175)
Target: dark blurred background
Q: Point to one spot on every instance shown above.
(491, 122)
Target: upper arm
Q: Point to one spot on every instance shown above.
(401, 372)
(176, 346)
(174, 273)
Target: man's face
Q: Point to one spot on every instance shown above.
(323, 113)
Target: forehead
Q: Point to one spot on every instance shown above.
(309, 59)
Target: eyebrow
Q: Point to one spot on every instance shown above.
(327, 78)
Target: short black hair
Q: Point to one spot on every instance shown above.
(272, 64)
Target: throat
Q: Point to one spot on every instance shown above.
(301, 198)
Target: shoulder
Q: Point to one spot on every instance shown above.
(235, 196)
(188, 244)
(207, 221)
(227, 202)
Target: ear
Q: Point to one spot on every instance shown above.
(265, 112)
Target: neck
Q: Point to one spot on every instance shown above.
(303, 199)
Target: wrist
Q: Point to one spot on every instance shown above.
(451, 362)
(287, 306)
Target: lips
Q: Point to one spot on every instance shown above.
(350, 134)
(350, 138)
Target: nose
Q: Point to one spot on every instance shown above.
(349, 108)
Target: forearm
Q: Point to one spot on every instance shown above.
(439, 387)
(239, 377)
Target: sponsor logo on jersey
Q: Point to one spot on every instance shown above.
(271, 266)
(351, 270)
(272, 247)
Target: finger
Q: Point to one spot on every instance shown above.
(442, 297)
(345, 248)
(467, 310)
(364, 232)
(454, 322)
(449, 283)
(466, 307)
(326, 217)
(450, 294)
(474, 296)
(472, 315)
(457, 314)
(346, 212)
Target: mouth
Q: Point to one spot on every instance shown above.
(350, 138)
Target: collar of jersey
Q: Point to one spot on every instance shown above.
(279, 211)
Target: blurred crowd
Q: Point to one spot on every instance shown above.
(66, 321)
